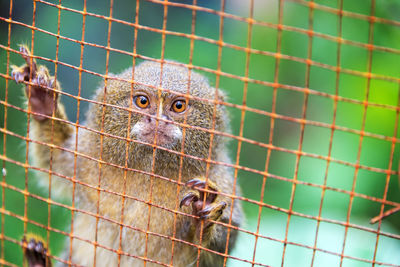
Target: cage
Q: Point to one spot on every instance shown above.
(313, 96)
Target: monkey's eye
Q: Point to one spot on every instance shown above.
(179, 106)
(142, 101)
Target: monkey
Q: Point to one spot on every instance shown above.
(142, 180)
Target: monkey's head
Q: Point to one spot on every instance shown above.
(161, 117)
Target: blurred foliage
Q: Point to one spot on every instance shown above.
(286, 134)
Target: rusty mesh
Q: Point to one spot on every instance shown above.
(9, 48)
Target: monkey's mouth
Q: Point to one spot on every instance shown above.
(166, 135)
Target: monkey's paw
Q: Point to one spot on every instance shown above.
(35, 253)
(43, 100)
(213, 209)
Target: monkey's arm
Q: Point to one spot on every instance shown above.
(42, 100)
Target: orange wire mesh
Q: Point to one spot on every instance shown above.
(248, 50)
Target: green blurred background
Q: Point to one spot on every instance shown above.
(374, 152)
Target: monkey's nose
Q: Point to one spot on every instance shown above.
(153, 120)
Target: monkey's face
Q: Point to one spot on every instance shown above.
(160, 114)
(163, 110)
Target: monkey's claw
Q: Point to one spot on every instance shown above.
(35, 253)
(212, 209)
(189, 198)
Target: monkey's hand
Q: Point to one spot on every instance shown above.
(208, 211)
(42, 99)
(35, 253)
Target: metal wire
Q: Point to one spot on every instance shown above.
(243, 108)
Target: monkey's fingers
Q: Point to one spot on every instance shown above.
(27, 56)
(42, 98)
(212, 211)
(189, 198)
(20, 74)
(206, 208)
(26, 71)
(201, 184)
